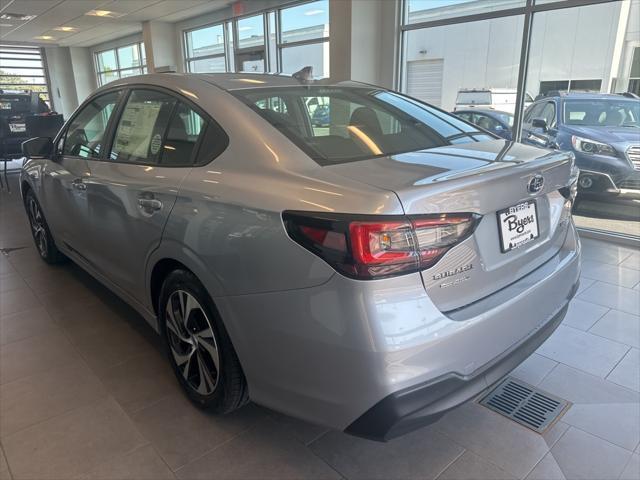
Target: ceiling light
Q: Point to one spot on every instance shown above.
(16, 16)
(65, 29)
(104, 14)
(308, 13)
(44, 37)
(5, 25)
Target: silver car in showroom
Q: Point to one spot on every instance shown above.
(368, 273)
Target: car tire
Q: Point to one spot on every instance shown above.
(40, 232)
(198, 345)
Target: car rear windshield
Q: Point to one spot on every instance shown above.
(602, 113)
(343, 124)
(474, 98)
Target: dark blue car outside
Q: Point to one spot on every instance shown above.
(602, 130)
(497, 122)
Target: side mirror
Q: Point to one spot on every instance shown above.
(540, 123)
(38, 147)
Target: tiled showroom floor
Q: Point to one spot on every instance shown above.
(85, 392)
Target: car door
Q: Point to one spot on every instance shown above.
(134, 188)
(65, 179)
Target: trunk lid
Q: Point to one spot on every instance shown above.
(482, 178)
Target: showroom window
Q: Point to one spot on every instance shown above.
(304, 38)
(205, 49)
(23, 68)
(552, 51)
(120, 62)
(282, 40)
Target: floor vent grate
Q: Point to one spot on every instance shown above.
(525, 404)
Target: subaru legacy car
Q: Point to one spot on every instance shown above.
(602, 131)
(367, 276)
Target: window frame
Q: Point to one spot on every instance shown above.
(554, 121)
(280, 46)
(37, 53)
(196, 160)
(185, 46)
(119, 69)
(114, 129)
(62, 136)
(231, 44)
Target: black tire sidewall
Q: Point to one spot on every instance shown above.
(184, 280)
(52, 253)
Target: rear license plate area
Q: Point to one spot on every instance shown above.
(518, 225)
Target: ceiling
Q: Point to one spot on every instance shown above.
(91, 30)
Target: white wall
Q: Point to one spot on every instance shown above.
(476, 55)
(573, 44)
(61, 76)
(83, 72)
(569, 44)
(160, 45)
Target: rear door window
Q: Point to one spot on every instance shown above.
(140, 133)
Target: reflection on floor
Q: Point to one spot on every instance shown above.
(620, 216)
(85, 392)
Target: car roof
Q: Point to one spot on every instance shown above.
(587, 96)
(490, 89)
(236, 81)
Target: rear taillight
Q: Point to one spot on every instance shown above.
(368, 247)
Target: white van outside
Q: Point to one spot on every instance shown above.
(503, 99)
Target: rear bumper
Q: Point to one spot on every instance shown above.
(415, 407)
(378, 358)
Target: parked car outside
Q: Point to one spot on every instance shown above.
(321, 116)
(501, 99)
(602, 131)
(494, 121)
(15, 107)
(369, 276)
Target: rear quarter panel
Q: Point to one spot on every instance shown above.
(228, 215)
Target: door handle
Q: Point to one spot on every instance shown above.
(78, 184)
(150, 203)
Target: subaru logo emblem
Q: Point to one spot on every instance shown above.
(535, 184)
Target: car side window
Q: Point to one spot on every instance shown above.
(487, 123)
(532, 112)
(85, 135)
(140, 134)
(184, 131)
(277, 104)
(465, 116)
(549, 114)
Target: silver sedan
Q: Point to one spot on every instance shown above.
(339, 252)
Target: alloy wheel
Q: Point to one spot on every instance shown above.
(36, 219)
(192, 342)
